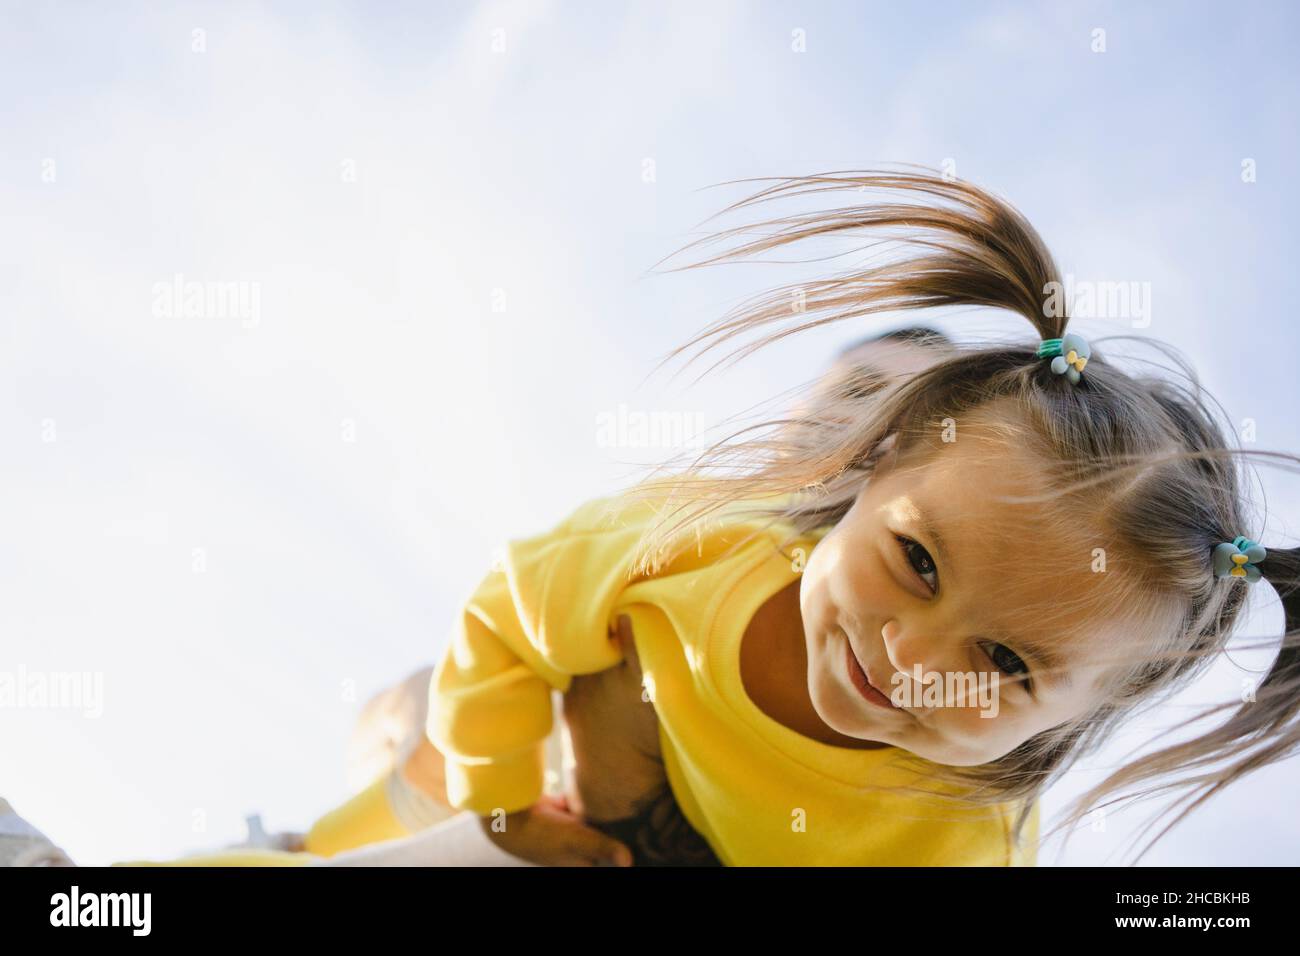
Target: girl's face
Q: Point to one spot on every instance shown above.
(991, 601)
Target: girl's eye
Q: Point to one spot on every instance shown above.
(1010, 663)
(920, 560)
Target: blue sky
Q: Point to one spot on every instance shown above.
(450, 249)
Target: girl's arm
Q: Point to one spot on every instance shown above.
(533, 624)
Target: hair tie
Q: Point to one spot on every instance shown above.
(1071, 355)
(1239, 559)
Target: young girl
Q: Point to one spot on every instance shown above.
(876, 631)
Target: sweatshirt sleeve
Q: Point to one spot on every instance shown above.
(539, 617)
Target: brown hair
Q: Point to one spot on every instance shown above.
(1145, 452)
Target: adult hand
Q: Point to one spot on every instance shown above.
(549, 833)
(614, 731)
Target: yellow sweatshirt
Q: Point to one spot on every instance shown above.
(757, 791)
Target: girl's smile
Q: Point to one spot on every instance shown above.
(861, 681)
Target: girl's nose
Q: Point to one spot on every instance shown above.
(908, 650)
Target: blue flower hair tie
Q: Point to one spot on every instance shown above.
(1069, 355)
(1238, 559)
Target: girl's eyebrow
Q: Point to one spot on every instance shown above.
(934, 534)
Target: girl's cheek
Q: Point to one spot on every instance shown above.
(966, 723)
(853, 573)
(983, 722)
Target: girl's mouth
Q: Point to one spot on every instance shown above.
(859, 678)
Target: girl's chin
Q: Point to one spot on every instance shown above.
(857, 729)
(838, 710)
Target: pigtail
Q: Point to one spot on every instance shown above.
(1260, 731)
(961, 247)
(1280, 689)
